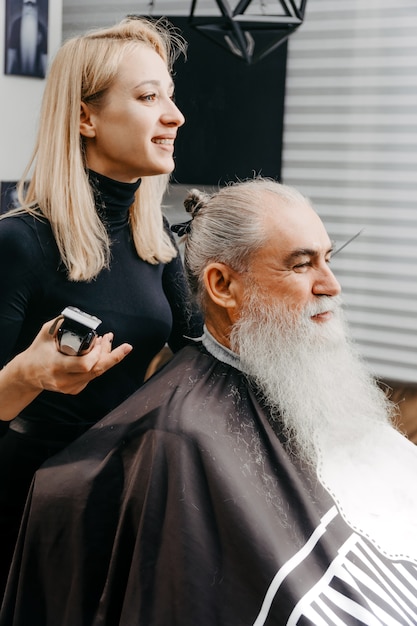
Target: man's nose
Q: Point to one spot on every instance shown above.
(326, 283)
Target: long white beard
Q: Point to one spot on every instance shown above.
(335, 417)
(29, 38)
(308, 373)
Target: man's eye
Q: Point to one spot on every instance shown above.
(301, 266)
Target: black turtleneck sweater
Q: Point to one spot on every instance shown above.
(142, 304)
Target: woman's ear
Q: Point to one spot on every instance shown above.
(86, 123)
(223, 285)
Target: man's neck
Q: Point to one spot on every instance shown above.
(220, 351)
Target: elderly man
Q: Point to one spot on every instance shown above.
(256, 479)
(27, 45)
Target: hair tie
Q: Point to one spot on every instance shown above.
(183, 228)
(192, 204)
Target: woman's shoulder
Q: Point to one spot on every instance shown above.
(24, 234)
(23, 222)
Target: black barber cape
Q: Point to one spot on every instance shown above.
(183, 508)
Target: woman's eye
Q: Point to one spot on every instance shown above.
(149, 97)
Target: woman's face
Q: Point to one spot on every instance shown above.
(132, 133)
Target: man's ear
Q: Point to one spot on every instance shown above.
(223, 285)
(86, 124)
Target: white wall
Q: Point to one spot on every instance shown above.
(20, 99)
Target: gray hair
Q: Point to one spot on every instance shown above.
(228, 226)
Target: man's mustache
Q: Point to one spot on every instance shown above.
(322, 305)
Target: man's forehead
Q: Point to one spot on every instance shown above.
(273, 204)
(294, 226)
(286, 214)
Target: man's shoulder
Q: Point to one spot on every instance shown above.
(194, 375)
(192, 384)
(190, 396)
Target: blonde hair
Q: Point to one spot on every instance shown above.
(59, 189)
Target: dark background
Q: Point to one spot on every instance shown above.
(233, 110)
(8, 198)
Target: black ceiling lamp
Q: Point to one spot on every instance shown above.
(250, 35)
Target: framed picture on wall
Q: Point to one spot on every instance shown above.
(26, 38)
(8, 196)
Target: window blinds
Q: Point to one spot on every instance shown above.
(350, 144)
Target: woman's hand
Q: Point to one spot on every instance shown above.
(53, 371)
(42, 367)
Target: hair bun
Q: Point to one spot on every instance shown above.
(194, 201)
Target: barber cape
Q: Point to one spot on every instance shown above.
(184, 508)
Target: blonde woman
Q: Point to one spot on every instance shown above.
(89, 234)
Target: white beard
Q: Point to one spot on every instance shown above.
(308, 373)
(29, 38)
(334, 417)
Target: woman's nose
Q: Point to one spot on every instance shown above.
(173, 116)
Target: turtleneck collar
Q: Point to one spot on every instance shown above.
(113, 198)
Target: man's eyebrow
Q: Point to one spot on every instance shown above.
(300, 252)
